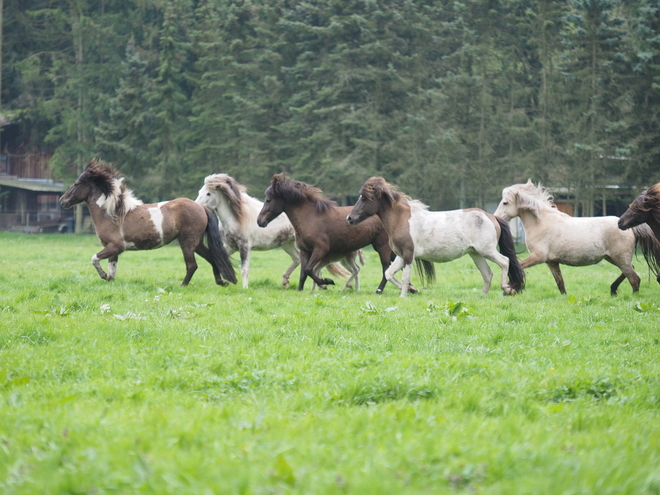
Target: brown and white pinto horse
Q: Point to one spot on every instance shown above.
(322, 234)
(123, 223)
(438, 236)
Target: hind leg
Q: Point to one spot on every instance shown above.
(203, 251)
(503, 262)
(627, 271)
(351, 265)
(191, 264)
(559, 279)
(290, 249)
(484, 269)
(244, 251)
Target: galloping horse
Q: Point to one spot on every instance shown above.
(123, 223)
(322, 234)
(645, 209)
(553, 237)
(238, 212)
(438, 236)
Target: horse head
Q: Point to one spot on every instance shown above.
(523, 197)
(275, 199)
(221, 189)
(640, 210)
(372, 193)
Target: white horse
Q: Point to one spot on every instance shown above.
(238, 212)
(553, 237)
(438, 236)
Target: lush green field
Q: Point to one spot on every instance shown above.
(142, 386)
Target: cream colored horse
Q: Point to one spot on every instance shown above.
(555, 238)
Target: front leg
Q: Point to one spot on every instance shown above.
(308, 268)
(396, 265)
(556, 272)
(245, 251)
(112, 253)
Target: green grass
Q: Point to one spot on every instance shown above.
(142, 386)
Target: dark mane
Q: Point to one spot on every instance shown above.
(651, 198)
(115, 198)
(295, 192)
(376, 188)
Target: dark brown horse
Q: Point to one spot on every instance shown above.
(321, 229)
(645, 209)
(123, 223)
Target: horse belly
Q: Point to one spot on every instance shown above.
(435, 239)
(147, 227)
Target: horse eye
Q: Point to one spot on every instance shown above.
(505, 203)
(208, 194)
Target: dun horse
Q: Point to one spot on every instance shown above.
(645, 209)
(322, 234)
(123, 223)
(438, 236)
(238, 212)
(555, 238)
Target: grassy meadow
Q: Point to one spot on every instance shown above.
(142, 386)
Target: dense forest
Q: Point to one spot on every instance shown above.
(450, 100)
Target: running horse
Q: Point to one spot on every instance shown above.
(238, 211)
(123, 223)
(322, 234)
(555, 238)
(644, 209)
(438, 236)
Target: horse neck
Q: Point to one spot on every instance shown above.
(530, 220)
(300, 213)
(392, 215)
(226, 215)
(102, 221)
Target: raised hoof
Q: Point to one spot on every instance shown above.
(221, 282)
(328, 281)
(286, 284)
(412, 290)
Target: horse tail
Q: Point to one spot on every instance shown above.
(648, 243)
(337, 269)
(425, 271)
(508, 249)
(219, 256)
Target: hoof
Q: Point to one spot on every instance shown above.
(221, 283)
(379, 291)
(286, 285)
(328, 281)
(412, 290)
(510, 292)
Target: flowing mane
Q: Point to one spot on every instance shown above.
(116, 199)
(232, 190)
(376, 188)
(295, 192)
(649, 200)
(529, 197)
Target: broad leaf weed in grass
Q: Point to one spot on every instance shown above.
(142, 386)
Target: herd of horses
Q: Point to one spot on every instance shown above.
(318, 234)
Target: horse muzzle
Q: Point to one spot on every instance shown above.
(351, 220)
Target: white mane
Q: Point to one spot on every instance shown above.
(417, 204)
(529, 197)
(120, 201)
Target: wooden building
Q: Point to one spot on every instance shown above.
(29, 197)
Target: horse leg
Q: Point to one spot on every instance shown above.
(486, 272)
(309, 268)
(191, 266)
(112, 267)
(244, 251)
(354, 268)
(204, 252)
(111, 253)
(304, 259)
(556, 272)
(627, 271)
(290, 249)
(532, 260)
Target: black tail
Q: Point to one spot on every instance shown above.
(219, 256)
(648, 243)
(425, 271)
(508, 249)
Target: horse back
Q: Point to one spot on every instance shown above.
(331, 228)
(153, 225)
